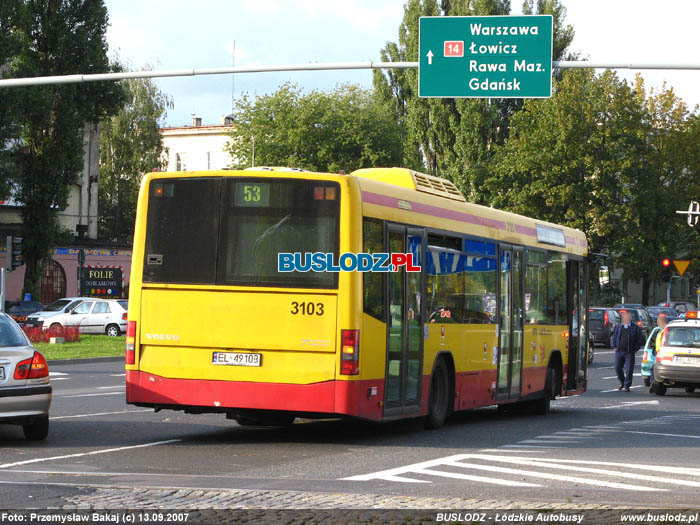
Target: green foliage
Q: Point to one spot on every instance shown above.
(130, 146)
(603, 157)
(55, 37)
(346, 128)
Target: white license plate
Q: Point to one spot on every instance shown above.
(2, 373)
(686, 360)
(237, 359)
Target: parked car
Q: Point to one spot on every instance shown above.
(25, 390)
(591, 347)
(641, 317)
(601, 323)
(95, 316)
(61, 306)
(678, 360)
(680, 307)
(655, 311)
(19, 310)
(649, 356)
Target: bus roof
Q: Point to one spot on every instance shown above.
(411, 197)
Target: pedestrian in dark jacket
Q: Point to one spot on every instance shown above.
(627, 339)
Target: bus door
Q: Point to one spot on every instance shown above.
(404, 355)
(510, 322)
(578, 325)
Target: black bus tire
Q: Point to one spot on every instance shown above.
(543, 404)
(439, 397)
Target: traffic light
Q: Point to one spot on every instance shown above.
(665, 269)
(14, 253)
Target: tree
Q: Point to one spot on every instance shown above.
(603, 157)
(9, 45)
(346, 128)
(130, 146)
(57, 37)
(454, 138)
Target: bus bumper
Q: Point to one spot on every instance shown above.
(358, 398)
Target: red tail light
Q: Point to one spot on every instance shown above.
(606, 319)
(639, 323)
(130, 342)
(33, 368)
(124, 316)
(350, 352)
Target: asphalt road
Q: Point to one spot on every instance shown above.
(604, 447)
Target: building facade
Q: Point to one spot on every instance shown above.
(197, 147)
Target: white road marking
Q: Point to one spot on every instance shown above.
(92, 395)
(547, 475)
(117, 375)
(528, 446)
(632, 403)
(661, 434)
(615, 377)
(616, 390)
(91, 453)
(106, 387)
(56, 374)
(400, 470)
(499, 450)
(544, 462)
(653, 468)
(101, 414)
(59, 379)
(479, 479)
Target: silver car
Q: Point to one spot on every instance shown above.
(95, 316)
(25, 392)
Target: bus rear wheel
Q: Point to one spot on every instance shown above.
(439, 398)
(543, 405)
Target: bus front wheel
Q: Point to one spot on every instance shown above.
(439, 398)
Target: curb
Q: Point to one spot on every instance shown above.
(85, 360)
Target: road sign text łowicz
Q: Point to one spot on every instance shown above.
(485, 56)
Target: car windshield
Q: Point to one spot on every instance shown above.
(596, 315)
(57, 306)
(10, 334)
(668, 312)
(683, 336)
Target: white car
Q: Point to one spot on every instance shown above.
(678, 360)
(25, 391)
(60, 306)
(94, 316)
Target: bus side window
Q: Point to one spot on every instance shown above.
(373, 282)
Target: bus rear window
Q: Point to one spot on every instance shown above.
(264, 217)
(230, 230)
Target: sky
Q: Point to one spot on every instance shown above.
(177, 34)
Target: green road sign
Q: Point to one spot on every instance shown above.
(485, 56)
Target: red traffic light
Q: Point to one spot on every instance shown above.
(666, 263)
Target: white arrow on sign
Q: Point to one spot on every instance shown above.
(430, 57)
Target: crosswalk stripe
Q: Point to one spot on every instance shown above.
(636, 466)
(544, 463)
(480, 479)
(549, 475)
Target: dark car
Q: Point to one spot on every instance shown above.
(601, 323)
(628, 305)
(19, 310)
(655, 311)
(680, 307)
(640, 317)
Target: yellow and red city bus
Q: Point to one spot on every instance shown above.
(496, 316)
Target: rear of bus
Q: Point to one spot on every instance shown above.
(213, 326)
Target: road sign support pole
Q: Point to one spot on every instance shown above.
(2, 292)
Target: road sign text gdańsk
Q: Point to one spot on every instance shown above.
(485, 56)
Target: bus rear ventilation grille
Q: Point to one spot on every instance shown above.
(437, 186)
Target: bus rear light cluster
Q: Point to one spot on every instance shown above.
(130, 342)
(350, 352)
